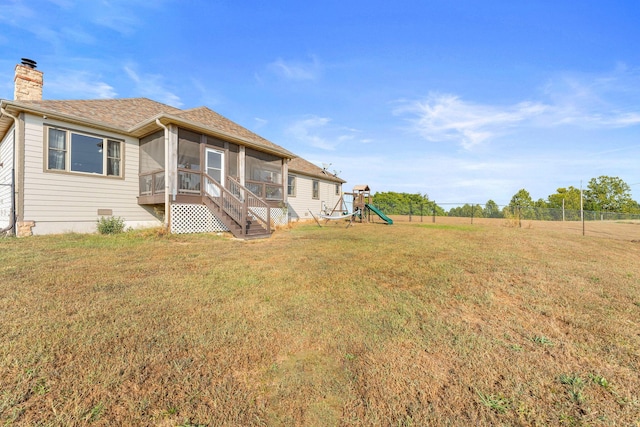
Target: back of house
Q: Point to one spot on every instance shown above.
(64, 164)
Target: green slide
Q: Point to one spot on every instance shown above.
(379, 213)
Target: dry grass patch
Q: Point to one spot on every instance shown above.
(414, 324)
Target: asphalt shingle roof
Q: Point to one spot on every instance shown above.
(128, 113)
(300, 165)
(122, 113)
(212, 119)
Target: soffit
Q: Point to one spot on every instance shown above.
(137, 117)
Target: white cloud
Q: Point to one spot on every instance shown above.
(296, 70)
(78, 35)
(207, 96)
(308, 132)
(152, 86)
(602, 101)
(122, 16)
(79, 85)
(15, 12)
(446, 117)
(607, 100)
(65, 4)
(319, 132)
(260, 122)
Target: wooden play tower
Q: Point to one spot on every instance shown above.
(361, 210)
(361, 198)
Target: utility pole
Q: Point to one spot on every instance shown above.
(581, 208)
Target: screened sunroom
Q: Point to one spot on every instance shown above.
(196, 156)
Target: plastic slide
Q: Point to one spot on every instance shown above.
(379, 213)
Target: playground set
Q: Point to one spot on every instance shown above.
(361, 205)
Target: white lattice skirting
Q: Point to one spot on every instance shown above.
(278, 215)
(190, 218)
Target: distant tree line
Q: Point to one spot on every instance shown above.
(392, 203)
(603, 194)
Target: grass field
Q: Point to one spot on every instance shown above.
(406, 325)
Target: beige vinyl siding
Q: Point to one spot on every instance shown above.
(300, 205)
(6, 159)
(60, 202)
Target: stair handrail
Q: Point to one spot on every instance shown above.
(250, 196)
(238, 207)
(227, 201)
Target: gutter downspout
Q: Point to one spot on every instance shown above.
(12, 220)
(167, 206)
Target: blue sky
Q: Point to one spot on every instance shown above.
(464, 101)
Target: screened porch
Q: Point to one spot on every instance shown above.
(198, 156)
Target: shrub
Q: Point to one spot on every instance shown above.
(111, 225)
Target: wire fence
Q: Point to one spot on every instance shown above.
(617, 225)
(537, 213)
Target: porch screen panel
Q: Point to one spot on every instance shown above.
(152, 152)
(263, 167)
(233, 150)
(188, 150)
(215, 142)
(233, 160)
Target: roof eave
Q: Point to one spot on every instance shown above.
(17, 107)
(142, 129)
(331, 178)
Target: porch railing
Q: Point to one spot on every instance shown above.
(257, 207)
(265, 190)
(151, 183)
(237, 202)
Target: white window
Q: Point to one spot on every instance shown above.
(315, 193)
(79, 152)
(291, 186)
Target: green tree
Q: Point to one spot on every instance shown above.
(609, 194)
(541, 210)
(571, 199)
(570, 196)
(491, 210)
(521, 204)
(393, 203)
(467, 211)
(522, 198)
(457, 211)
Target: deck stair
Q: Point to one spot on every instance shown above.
(246, 215)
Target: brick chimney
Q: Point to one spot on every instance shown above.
(28, 82)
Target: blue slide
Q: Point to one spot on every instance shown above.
(379, 213)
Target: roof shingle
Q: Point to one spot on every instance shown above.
(121, 113)
(128, 113)
(300, 165)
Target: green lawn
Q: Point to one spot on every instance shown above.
(405, 325)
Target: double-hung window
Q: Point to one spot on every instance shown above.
(315, 189)
(72, 151)
(291, 186)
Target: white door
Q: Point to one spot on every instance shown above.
(214, 167)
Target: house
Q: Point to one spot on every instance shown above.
(64, 164)
(311, 189)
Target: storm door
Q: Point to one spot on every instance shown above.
(214, 167)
